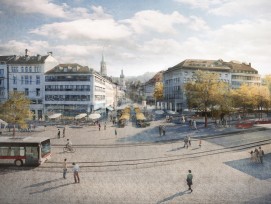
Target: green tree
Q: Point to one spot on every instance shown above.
(16, 110)
(205, 91)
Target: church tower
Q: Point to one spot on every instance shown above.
(122, 81)
(103, 70)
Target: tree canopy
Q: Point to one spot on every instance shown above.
(158, 91)
(16, 109)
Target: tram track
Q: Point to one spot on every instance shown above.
(158, 160)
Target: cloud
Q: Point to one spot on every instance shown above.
(150, 20)
(84, 29)
(204, 4)
(198, 24)
(17, 47)
(44, 7)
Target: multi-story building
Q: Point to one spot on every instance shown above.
(71, 89)
(26, 74)
(243, 73)
(4, 77)
(175, 77)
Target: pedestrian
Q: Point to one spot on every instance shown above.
(164, 130)
(256, 152)
(189, 179)
(199, 142)
(58, 134)
(183, 119)
(104, 125)
(160, 130)
(185, 142)
(65, 168)
(63, 133)
(261, 153)
(251, 156)
(189, 140)
(116, 133)
(99, 126)
(195, 124)
(75, 170)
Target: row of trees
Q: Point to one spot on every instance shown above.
(207, 93)
(16, 110)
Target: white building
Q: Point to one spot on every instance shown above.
(175, 77)
(4, 77)
(26, 74)
(72, 89)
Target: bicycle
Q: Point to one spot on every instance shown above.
(69, 149)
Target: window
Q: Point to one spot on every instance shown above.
(37, 79)
(22, 69)
(1, 72)
(26, 92)
(14, 89)
(26, 79)
(22, 79)
(30, 69)
(37, 92)
(26, 69)
(30, 79)
(14, 80)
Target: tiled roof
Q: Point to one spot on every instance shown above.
(238, 66)
(158, 77)
(69, 68)
(213, 65)
(38, 59)
(6, 58)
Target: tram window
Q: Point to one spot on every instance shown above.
(4, 151)
(22, 152)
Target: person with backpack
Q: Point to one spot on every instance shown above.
(260, 153)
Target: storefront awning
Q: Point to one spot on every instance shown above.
(54, 116)
(80, 116)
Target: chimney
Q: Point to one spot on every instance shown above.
(50, 53)
(26, 50)
(249, 64)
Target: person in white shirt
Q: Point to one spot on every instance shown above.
(75, 170)
(69, 144)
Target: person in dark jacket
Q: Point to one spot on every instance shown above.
(189, 180)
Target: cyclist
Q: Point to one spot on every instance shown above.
(69, 145)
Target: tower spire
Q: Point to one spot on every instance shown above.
(103, 70)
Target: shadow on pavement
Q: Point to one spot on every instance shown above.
(43, 183)
(257, 170)
(260, 200)
(173, 196)
(50, 188)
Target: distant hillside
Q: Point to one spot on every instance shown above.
(143, 78)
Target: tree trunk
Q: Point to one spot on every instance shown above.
(14, 131)
(206, 120)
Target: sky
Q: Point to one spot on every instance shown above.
(138, 36)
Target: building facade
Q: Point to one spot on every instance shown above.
(4, 77)
(26, 74)
(72, 89)
(149, 87)
(175, 77)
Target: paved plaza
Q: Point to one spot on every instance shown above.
(139, 166)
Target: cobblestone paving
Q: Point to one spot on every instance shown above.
(215, 179)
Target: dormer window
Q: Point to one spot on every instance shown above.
(74, 69)
(65, 69)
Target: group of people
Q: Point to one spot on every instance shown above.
(63, 133)
(75, 170)
(192, 124)
(162, 130)
(257, 155)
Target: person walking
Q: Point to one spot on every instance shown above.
(261, 153)
(58, 134)
(199, 142)
(256, 154)
(99, 125)
(195, 124)
(189, 140)
(164, 130)
(65, 168)
(189, 181)
(63, 133)
(104, 125)
(116, 133)
(160, 130)
(185, 142)
(75, 170)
